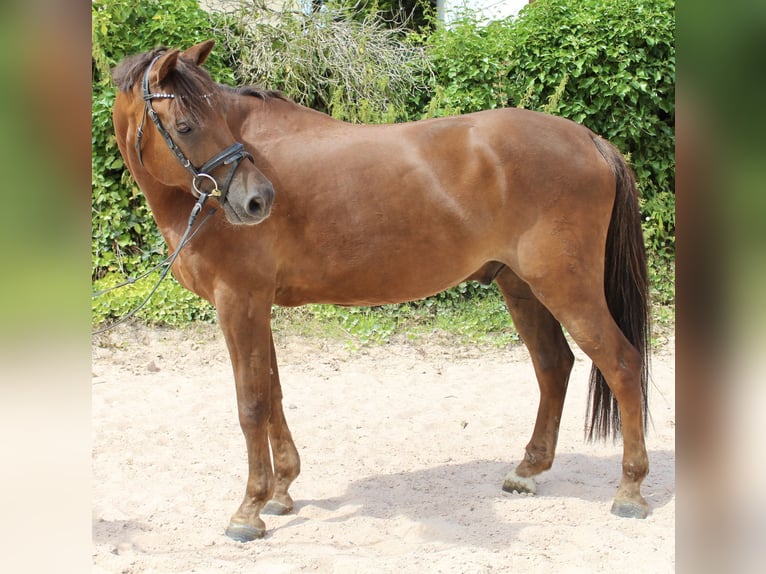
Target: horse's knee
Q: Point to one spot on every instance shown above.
(254, 417)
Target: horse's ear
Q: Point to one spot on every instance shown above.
(165, 65)
(199, 52)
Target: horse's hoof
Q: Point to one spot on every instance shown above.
(630, 509)
(244, 532)
(276, 508)
(521, 484)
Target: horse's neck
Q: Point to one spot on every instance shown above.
(278, 117)
(171, 209)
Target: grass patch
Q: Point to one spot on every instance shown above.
(484, 321)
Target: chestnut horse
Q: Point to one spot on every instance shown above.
(367, 215)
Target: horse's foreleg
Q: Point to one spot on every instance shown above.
(552, 360)
(287, 464)
(248, 337)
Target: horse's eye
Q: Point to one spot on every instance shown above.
(183, 128)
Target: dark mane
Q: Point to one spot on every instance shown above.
(255, 91)
(191, 84)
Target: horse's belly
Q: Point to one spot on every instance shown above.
(374, 284)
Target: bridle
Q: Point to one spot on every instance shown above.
(232, 155)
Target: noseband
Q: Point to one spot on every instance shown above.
(232, 155)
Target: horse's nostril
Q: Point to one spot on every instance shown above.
(254, 206)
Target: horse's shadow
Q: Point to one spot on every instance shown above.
(464, 494)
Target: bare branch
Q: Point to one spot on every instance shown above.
(356, 69)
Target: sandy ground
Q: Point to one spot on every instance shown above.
(404, 448)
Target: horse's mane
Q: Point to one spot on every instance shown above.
(256, 92)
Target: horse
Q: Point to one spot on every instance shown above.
(316, 210)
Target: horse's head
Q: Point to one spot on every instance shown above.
(187, 142)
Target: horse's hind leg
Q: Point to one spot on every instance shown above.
(579, 304)
(552, 360)
(621, 364)
(285, 455)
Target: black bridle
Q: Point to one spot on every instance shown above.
(232, 155)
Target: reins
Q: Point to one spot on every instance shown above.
(167, 263)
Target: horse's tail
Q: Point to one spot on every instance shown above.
(627, 293)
